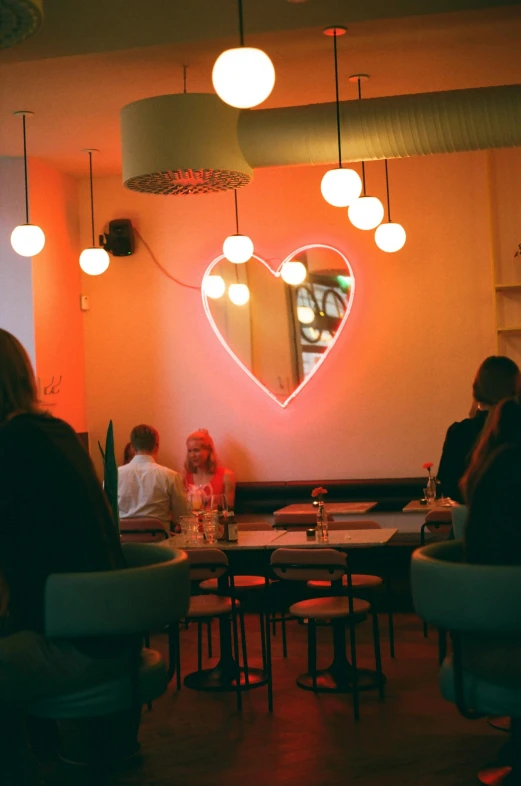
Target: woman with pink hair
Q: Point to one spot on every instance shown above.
(202, 471)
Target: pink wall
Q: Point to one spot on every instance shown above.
(56, 295)
(401, 372)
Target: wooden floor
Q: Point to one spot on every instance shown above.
(414, 738)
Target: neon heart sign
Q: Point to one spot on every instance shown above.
(283, 334)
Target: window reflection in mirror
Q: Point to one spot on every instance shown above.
(283, 331)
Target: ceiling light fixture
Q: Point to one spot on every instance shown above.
(293, 273)
(243, 77)
(239, 294)
(366, 212)
(93, 260)
(389, 236)
(305, 315)
(340, 187)
(237, 248)
(27, 239)
(214, 286)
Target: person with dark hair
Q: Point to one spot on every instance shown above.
(497, 378)
(128, 453)
(54, 518)
(146, 488)
(492, 490)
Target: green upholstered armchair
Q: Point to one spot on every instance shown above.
(481, 607)
(151, 593)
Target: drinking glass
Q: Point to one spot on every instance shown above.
(190, 528)
(210, 527)
(196, 501)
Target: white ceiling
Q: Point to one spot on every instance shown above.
(90, 59)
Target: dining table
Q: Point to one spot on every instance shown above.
(306, 512)
(339, 676)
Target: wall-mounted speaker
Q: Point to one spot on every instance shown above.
(119, 240)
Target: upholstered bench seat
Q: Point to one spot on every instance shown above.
(108, 697)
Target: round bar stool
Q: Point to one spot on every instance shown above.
(243, 584)
(338, 610)
(362, 582)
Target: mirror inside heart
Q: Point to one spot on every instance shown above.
(280, 331)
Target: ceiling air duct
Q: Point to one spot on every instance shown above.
(19, 19)
(194, 143)
(182, 144)
(377, 128)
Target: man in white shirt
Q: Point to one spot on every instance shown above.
(146, 488)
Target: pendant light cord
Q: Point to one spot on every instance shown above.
(241, 23)
(91, 199)
(387, 191)
(363, 162)
(337, 103)
(236, 212)
(160, 266)
(25, 173)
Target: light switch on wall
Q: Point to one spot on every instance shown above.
(84, 302)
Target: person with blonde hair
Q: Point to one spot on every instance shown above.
(202, 470)
(54, 518)
(497, 378)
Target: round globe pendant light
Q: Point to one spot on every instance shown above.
(340, 187)
(366, 212)
(243, 77)
(305, 315)
(94, 260)
(293, 273)
(389, 236)
(26, 239)
(214, 286)
(239, 294)
(237, 248)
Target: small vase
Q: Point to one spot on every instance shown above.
(430, 490)
(322, 529)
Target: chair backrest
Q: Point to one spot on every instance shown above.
(339, 525)
(460, 597)
(459, 521)
(151, 593)
(308, 564)
(207, 563)
(255, 526)
(142, 529)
